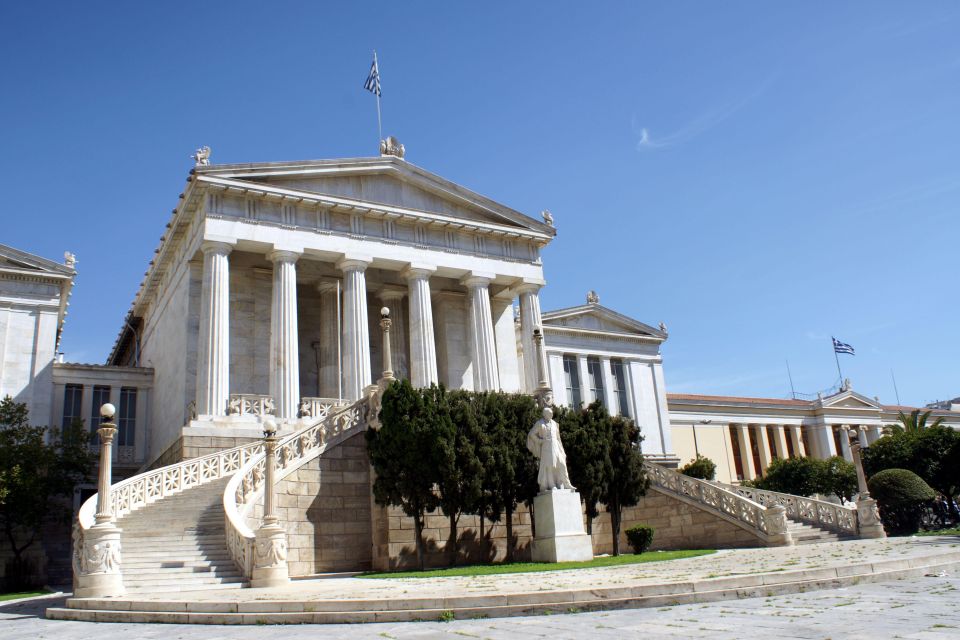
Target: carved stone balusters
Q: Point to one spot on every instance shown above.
(96, 552)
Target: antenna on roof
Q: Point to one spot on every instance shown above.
(897, 393)
(793, 392)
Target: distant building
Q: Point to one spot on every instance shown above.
(945, 405)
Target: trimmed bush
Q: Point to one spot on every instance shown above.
(640, 537)
(901, 496)
(808, 476)
(700, 467)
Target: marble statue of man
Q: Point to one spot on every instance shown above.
(543, 441)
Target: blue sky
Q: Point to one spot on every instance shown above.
(759, 176)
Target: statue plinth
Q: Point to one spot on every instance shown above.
(559, 526)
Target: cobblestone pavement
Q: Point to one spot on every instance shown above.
(926, 607)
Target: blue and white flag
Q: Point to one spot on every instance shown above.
(373, 80)
(842, 347)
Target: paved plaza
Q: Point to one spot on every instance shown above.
(923, 607)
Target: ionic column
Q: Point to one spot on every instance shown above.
(284, 347)
(763, 446)
(845, 443)
(823, 441)
(482, 344)
(780, 441)
(796, 436)
(423, 346)
(356, 330)
(213, 341)
(392, 298)
(746, 451)
(874, 434)
(529, 320)
(330, 383)
(862, 436)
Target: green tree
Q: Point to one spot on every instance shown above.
(457, 458)
(38, 469)
(901, 496)
(401, 453)
(916, 421)
(808, 476)
(932, 452)
(700, 467)
(627, 481)
(586, 437)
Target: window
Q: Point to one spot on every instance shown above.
(620, 387)
(72, 405)
(595, 371)
(101, 396)
(127, 421)
(572, 377)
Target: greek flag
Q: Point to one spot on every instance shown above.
(373, 80)
(842, 347)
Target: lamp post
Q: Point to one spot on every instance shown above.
(544, 392)
(385, 323)
(868, 515)
(270, 556)
(96, 561)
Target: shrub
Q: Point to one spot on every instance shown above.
(809, 476)
(901, 496)
(700, 467)
(640, 537)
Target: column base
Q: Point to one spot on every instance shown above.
(560, 533)
(869, 519)
(270, 561)
(97, 567)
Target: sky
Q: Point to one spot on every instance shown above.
(759, 176)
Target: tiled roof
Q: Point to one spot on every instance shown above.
(680, 397)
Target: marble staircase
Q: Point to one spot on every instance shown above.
(803, 533)
(178, 544)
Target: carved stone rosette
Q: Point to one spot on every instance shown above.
(270, 557)
(96, 562)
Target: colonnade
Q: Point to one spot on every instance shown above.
(753, 447)
(213, 360)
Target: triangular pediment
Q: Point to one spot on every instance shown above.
(11, 258)
(594, 317)
(850, 400)
(383, 181)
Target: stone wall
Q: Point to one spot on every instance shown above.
(325, 508)
(187, 447)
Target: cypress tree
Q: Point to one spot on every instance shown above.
(586, 438)
(627, 480)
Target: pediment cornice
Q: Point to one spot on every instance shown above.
(627, 327)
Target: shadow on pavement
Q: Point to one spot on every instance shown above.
(32, 608)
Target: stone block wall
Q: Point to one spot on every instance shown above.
(325, 507)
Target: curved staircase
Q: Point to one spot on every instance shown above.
(178, 544)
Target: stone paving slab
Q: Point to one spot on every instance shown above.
(922, 608)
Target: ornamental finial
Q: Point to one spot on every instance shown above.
(547, 217)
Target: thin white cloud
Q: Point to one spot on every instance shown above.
(699, 125)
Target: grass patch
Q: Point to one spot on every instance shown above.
(21, 594)
(532, 567)
(955, 531)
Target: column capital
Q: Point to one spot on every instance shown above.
(390, 292)
(283, 255)
(416, 270)
(327, 286)
(216, 247)
(354, 263)
(477, 279)
(529, 286)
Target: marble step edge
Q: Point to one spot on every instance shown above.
(494, 606)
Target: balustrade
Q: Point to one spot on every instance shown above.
(820, 513)
(251, 404)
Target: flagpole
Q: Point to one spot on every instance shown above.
(379, 124)
(833, 341)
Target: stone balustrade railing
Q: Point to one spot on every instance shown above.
(251, 404)
(246, 488)
(819, 513)
(768, 523)
(319, 408)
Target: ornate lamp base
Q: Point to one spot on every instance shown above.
(270, 563)
(869, 517)
(96, 563)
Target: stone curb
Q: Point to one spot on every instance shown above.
(500, 605)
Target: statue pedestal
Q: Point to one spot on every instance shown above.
(559, 524)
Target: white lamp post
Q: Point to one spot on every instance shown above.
(96, 560)
(270, 556)
(385, 323)
(868, 515)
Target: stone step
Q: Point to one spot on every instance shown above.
(191, 556)
(185, 565)
(160, 579)
(188, 585)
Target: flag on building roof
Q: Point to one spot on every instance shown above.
(842, 347)
(373, 80)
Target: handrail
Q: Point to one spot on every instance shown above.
(245, 488)
(767, 523)
(819, 513)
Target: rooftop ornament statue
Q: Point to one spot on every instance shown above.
(592, 297)
(202, 156)
(544, 443)
(547, 217)
(392, 147)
